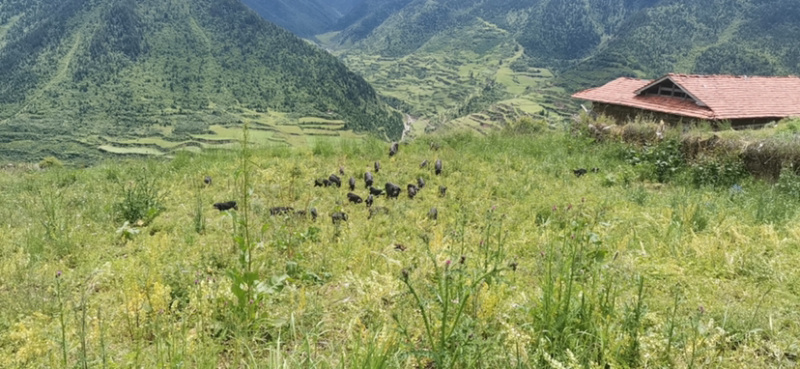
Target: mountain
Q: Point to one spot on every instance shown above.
(303, 17)
(307, 18)
(715, 37)
(368, 15)
(482, 62)
(642, 37)
(73, 69)
(561, 29)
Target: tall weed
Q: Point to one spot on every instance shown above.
(244, 278)
(140, 199)
(577, 317)
(447, 302)
(54, 216)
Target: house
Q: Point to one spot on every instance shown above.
(741, 100)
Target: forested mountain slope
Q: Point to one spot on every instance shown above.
(77, 68)
(714, 37)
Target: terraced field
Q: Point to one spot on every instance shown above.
(266, 129)
(458, 81)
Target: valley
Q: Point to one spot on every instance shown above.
(87, 90)
(437, 60)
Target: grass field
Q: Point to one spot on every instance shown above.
(527, 265)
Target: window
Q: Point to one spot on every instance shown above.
(666, 88)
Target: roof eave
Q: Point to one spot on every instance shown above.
(754, 116)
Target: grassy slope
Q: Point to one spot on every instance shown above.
(720, 283)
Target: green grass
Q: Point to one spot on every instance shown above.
(557, 270)
(158, 141)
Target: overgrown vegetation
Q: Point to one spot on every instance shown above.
(527, 265)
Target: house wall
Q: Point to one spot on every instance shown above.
(753, 123)
(624, 114)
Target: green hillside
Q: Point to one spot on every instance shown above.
(659, 34)
(549, 29)
(128, 265)
(473, 76)
(76, 71)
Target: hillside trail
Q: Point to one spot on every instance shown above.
(60, 76)
(407, 122)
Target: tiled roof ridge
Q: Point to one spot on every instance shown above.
(743, 76)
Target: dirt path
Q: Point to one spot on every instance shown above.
(60, 76)
(407, 122)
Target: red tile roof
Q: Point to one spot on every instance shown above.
(725, 97)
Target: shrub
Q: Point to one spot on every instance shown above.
(323, 147)
(767, 158)
(717, 172)
(525, 125)
(792, 125)
(50, 162)
(600, 128)
(660, 162)
(771, 207)
(639, 133)
(789, 183)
